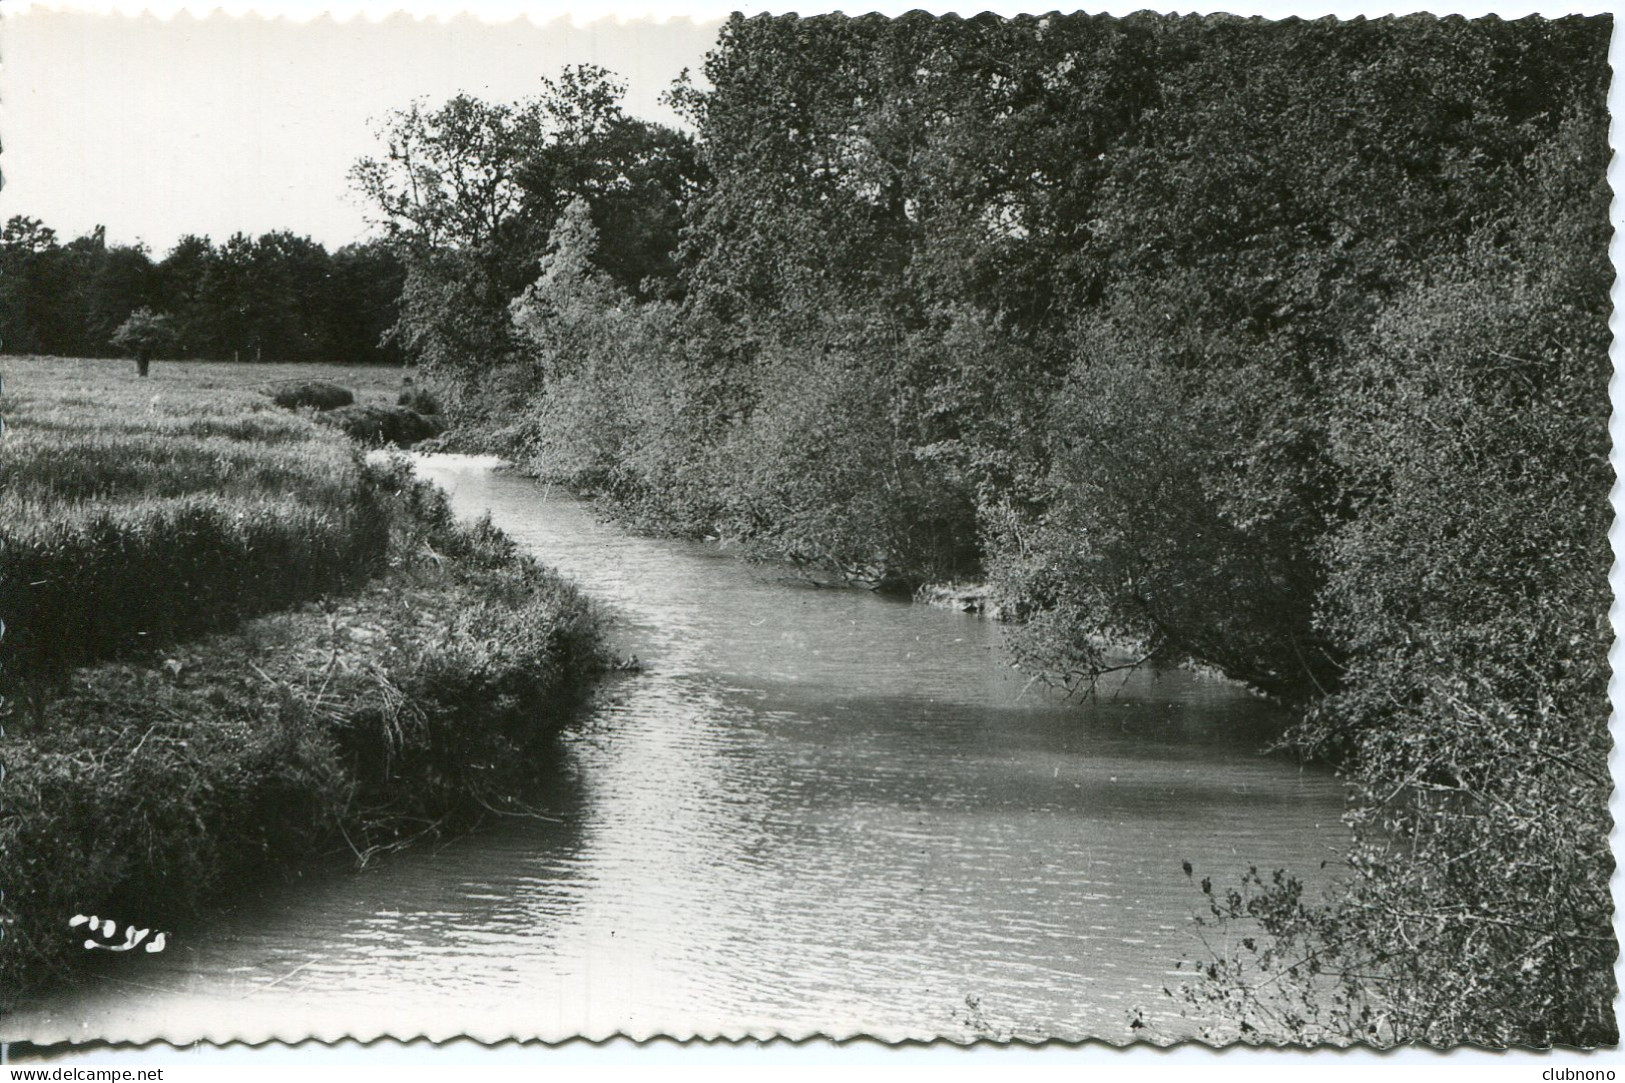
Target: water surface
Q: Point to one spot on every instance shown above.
(818, 812)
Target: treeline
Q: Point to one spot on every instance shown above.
(278, 297)
(1280, 347)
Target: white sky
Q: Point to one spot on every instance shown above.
(232, 121)
(159, 127)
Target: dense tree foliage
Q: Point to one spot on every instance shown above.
(278, 297)
(470, 191)
(1279, 347)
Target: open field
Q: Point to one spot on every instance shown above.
(234, 644)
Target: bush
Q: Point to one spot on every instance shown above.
(419, 399)
(1139, 546)
(810, 460)
(316, 394)
(382, 426)
(625, 417)
(823, 472)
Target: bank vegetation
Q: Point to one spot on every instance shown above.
(236, 646)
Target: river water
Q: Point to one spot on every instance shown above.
(817, 812)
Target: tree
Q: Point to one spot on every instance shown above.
(448, 178)
(288, 289)
(279, 296)
(610, 408)
(569, 293)
(27, 235)
(470, 191)
(635, 177)
(22, 243)
(144, 335)
(1279, 347)
(180, 276)
(49, 287)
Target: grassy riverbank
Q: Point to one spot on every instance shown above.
(233, 645)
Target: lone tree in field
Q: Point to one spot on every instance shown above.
(144, 335)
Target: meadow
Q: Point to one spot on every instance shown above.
(237, 643)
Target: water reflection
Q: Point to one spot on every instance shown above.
(818, 812)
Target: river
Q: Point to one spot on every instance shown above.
(816, 812)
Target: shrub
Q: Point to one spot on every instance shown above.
(1470, 588)
(824, 473)
(316, 394)
(1144, 542)
(419, 399)
(382, 426)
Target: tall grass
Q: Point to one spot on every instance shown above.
(134, 513)
(99, 582)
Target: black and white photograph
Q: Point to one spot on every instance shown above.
(977, 529)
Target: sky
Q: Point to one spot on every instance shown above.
(157, 128)
(212, 118)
